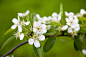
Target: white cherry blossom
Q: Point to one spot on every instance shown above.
(82, 12)
(62, 28)
(74, 31)
(56, 17)
(72, 22)
(20, 35)
(23, 14)
(69, 15)
(23, 23)
(35, 40)
(43, 19)
(16, 23)
(39, 28)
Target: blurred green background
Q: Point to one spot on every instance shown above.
(9, 9)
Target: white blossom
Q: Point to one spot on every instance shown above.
(56, 17)
(62, 28)
(23, 14)
(43, 19)
(72, 22)
(35, 40)
(20, 35)
(25, 23)
(82, 12)
(69, 15)
(39, 28)
(84, 51)
(15, 21)
(74, 30)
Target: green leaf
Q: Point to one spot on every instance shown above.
(8, 31)
(82, 38)
(31, 18)
(53, 23)
(49, 44)
(61, 8)
(78, 42)
(35, 51)
(82, 19)
(38, 51)
(34, 17)
(7, 42)
(76, 48)
(41, 53)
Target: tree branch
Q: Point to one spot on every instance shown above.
(12, 50)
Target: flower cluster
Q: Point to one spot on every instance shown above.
(20, 23)
(72, 22)
(39, 27)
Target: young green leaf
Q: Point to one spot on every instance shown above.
(38, 51)
(61, 8)
(41, 53)
(8, 31)
(76, 48)
(49, 44)
(7, 42)
(78, 42)
(35, 51)
(53, 23)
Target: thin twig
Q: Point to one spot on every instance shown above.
(11, 51)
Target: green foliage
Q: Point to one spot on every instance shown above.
(49, 44)
(7, 42)
(61, 9)
(78, 41)
(53, 23)
(38, 51)
(8, 31)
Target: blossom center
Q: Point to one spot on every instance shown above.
(71, 22)
(74, 33)
(35, 36)
(23, 23)
(38, 28)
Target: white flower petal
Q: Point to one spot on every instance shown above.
(75, 21)
(70, 30)
(19, 28)
(67, 20)
(66, 13)
(54, 14)
(27, 12)
(31, 41)
(84, 51)
(20, 14)
(38, 16)
(43, 31)
(13, 26)
(41, 37)
(21, 36)
(59, 16)
(35, 24)
(77, 28)
(34, 30)
(27, 23)
(43, 26)
(64, 27)
(82, 12)
(15, 21)
(36, 43)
